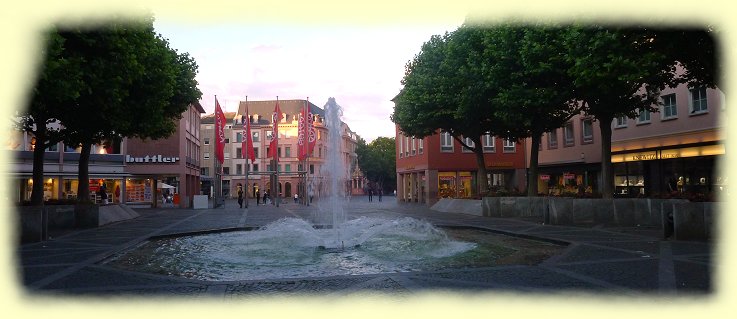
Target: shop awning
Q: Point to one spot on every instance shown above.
(164, 185)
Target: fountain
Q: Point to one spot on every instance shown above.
(330, 245)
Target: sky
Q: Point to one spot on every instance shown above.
(360, 66)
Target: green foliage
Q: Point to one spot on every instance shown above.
(377, 161)
(117, 80)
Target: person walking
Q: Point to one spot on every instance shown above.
(380, 191)
(296, 198)
(258, 197)
(240, 197)
(371, 192)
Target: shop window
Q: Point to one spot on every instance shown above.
(670, 111)
(446, 185)
(53, 148)
(643, 117)
(446, 142)
(553, 139)
(697, 102)
(587, 131)
(509, 145)
(470, 144)
(488, 143)
(568, 134)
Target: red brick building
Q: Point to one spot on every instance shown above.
(438, 166)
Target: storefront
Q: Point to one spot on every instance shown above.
(459, 184)
(692, 169)
(569, 179)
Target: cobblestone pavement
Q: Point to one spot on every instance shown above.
(597, 260)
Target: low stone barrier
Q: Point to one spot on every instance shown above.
(35, 222)
(452, 205)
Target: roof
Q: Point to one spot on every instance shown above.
(210, 118)
(265, 108)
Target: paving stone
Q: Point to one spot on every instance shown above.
(640, 275)
(591, 253)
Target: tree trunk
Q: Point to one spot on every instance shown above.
(483, 180)
(607, 176)
(532, 175)
(83, 190)
(37, 192)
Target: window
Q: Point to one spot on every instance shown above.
(487, 143)
(255, 136)
(406, 142)
(238, 152)
(420, 146)
(53, 148)
(620, 122)
(269, 135)
(401, 146)
(568, 134)
(414, 146)
(509, 145)
(587, 131)
(553, 139)
(669, 107)
(312, 169)
(255, 167)
(644, 117)
(207, 141)
(468, 142)
(239, 137)
(446, 142)
(226, 170)
(255, 152)
(206, 155)
(287, 151)
(287, 167)
(278, 152)
(205, 171)
(238, 169)
(697, 103)
(226, 155)
(227, 140)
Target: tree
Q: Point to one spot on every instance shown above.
(132, 85)
(378, 160)
(58, 83)
(527, 66)
(615, 73)
(444, 91)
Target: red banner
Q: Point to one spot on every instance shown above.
(219, 132)
(247, 146)
(275, 119)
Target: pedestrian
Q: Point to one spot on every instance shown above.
(296, 198)
(103, 194)
(380, 191)
(371, 192)
(240, 197)
(258, 197)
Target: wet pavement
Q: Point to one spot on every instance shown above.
(597, 260)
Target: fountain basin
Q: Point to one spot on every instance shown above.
(292, 248)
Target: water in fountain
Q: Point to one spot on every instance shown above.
(330, 206)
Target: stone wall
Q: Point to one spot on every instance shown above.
(36, 222)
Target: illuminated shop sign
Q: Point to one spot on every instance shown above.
(709, 150)
(151, 159)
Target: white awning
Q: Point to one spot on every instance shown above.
(164, 185)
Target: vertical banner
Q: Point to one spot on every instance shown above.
(247, 146)
(275, 119)
(219, 132)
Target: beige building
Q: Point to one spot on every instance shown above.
(291, 178)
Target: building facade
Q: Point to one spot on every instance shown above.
(291, 178)
(166, 171)
(438, 166)
(130, 169)
(676, 149)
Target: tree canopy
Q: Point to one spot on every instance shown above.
(377, 161)
(129, 83)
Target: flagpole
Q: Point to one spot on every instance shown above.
(216, 177)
